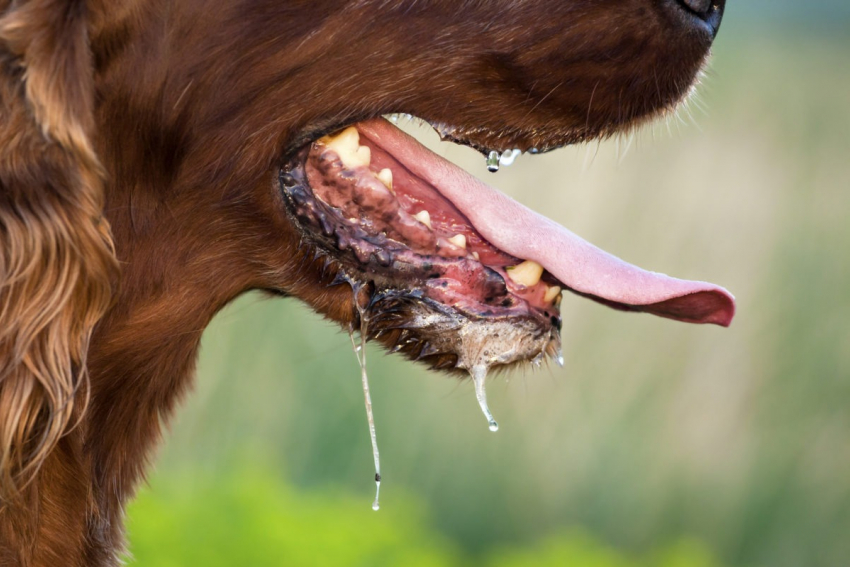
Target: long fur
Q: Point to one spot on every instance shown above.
(56, 262)
(148, 134)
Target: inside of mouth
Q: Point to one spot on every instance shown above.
(391, 221)
(383, 204)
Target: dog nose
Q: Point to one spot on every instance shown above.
(698, 6)
(710, 12)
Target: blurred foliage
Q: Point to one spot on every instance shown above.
(659, 444)
(255, 518)
(577, 548)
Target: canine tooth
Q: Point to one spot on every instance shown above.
(551, 293)
(476, 256)
(385, 176)
(458, 240)
(424, 217)
(347, 146)
(365, 154)
(528, 273)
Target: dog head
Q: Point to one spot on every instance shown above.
(226, 144)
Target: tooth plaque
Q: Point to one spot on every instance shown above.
(347, 146)
(527, 274)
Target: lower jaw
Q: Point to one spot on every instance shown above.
(448, 311)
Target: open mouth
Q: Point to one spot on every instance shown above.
(456, 273)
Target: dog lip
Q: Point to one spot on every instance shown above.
(520, 141)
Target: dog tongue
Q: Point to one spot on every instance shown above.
(521, 232)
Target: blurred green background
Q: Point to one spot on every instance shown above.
(659, 444)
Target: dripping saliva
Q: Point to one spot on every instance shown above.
(507, 158)
(479, 375)
(493, 161)
(360, 353)
(537, 361)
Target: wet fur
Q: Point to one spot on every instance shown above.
(139, 149)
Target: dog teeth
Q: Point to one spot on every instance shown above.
(476, 256)
(528, 273)
(385, 176)
(347, 146)
(551, 294)
(458, 240)
(424, 217)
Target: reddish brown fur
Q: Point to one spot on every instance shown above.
(169, 120)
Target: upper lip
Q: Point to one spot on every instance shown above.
(479, 139)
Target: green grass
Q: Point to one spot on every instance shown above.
(659, 444)
(254, 518)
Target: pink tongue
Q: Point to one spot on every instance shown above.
(521, 232)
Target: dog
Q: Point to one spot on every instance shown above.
(160, 158)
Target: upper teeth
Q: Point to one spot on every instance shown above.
(528, 273)
(347, 146)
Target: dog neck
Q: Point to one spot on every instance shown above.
(142, 360)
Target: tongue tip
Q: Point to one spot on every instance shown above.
(725, 307)
(725, 314)
(712, 306)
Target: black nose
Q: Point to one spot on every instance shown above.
(707, 13)
(698, 6)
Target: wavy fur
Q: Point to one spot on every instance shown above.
(56, 257)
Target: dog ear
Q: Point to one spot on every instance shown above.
(57, 264)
